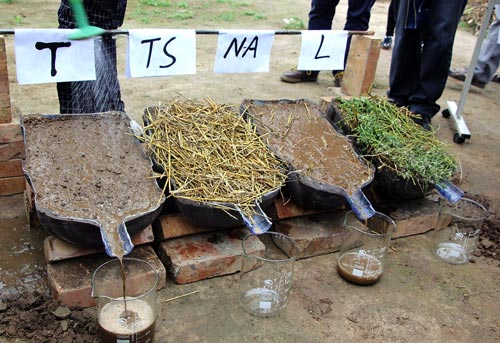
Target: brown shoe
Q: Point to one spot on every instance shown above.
(295, 76)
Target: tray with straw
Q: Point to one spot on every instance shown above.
(215, 165)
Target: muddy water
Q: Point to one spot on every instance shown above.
(299, 134)
(89, 167)
(21, 254)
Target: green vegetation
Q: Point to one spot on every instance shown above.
(387, 135)
(148, 11)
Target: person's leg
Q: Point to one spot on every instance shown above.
(391, 25)
(358, 15)
(439, 34)
(391, 19)
(320, 18)
(405, 62)
(489, 57)
(65, 98)
(321, 14)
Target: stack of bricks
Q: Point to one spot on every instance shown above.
(12, 179)
(193, 252)
(70, 267)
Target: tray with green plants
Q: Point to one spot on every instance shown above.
(408, 158)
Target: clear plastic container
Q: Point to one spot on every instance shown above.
(365, 243)
(126, 311)
(458, 229)
(266, 279)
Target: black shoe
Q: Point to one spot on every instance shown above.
(423, 121)
(338, 76)
(386, 43)
(295, 76)
(461, 74)
(496, 78)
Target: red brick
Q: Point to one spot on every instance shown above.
(12, 185)
(288, 209)
(198, 257)
(12, 150)
(58, 250)
(10, 132)
(175, 225)
(413, 217)
(70, 280)
(11, 168)
(315, 234)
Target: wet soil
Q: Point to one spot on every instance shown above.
(300, 134)
(417, 296)
(89, 168)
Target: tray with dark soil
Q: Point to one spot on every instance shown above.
(89, 175)
(325, 170)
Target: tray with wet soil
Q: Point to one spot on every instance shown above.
(215, 166)
(92, 180)
(325, 170)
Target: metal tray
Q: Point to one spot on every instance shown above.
(85, 232)
(312, 194)
(209, 214)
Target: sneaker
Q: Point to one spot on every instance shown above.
(386, 43)
(295, 76)
(460, 75)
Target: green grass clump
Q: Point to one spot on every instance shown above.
(388, 134)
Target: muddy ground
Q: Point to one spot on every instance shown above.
(419, 299)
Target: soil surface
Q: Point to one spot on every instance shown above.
(89, 168)
(418, 299)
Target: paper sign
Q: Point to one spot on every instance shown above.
(161, 52)
(245, 51)
(322, 50)
(46, 55)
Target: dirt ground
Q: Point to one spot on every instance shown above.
(419, 299)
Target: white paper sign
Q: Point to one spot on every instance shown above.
(161, 52)
(243, 51)
(322, 50)
(46, 55)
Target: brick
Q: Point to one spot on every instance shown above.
(12, 185)
(70, 280)
(175, 225)
(315, 234)
(11, 168)
(12, 150)
(414, 217)
(288, 209)
(361, 65)
(10, 132)
(56, 249)
(198, 257)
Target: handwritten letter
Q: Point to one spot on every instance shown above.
(46, 55)
(322, 50)
(241, 51)
(161, 52)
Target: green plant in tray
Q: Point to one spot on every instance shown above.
(387, 135)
